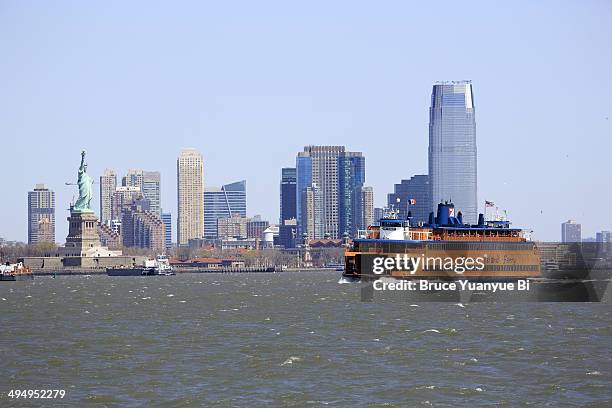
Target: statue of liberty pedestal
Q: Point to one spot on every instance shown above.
(83, 204)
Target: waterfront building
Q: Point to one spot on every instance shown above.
(41, 215)
(167, 220)
(231, 227)
(452, 148)
(571, 231)
(190, 196)
(412, 195)
(108, 185)
(223, 202)
(328, 191)
(287, 194)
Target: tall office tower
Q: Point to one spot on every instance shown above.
(167, 220)
(328, 186)
(351, 177)
(412, 195)
(571, 231)
(190, 195)
(452, 148)
(108, 185)
(223, 202)
(149, 183)
(367, 197)
(287, 194)
(41, 215)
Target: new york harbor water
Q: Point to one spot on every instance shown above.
(292, 339)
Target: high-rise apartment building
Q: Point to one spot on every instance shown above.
(108, 185)
(571, 231)
(167, 220)
(452, 148)
(223, 202)
(367, 198)
(256, 227)
(122, 197)
(190, 196)
(412, 196)
(234, 226)
(142, 228)
(328, 191)
(149, 183)
(287, 194)
(41, 215)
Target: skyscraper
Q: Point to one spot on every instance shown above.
(412, 195)
(149, 183)
(287, 194)
(351, 177)
(571, 231)
(223, 202)
(452, 148)
(328, 191)
(167, 220)
(190, 196)
(367, 198)
(41, 215)
(108, 184)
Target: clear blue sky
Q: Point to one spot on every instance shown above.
(250, 83)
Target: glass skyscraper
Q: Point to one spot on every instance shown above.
(167, 220)
(329, 191)
(412, 195)
(351, 179)
(223, 202)
(287, 194)
(452, 148)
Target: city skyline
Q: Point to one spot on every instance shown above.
(361, 79)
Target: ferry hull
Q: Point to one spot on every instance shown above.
(496, 260)
(130, 272)
(19, 277)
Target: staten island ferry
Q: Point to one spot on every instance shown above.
(444, 248)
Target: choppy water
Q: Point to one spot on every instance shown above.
(294, 339)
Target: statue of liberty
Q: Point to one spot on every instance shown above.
(83, 204)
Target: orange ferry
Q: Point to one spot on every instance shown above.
(443, 248)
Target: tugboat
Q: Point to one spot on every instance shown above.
(156, 267)
(15, 272)
(444, 248)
